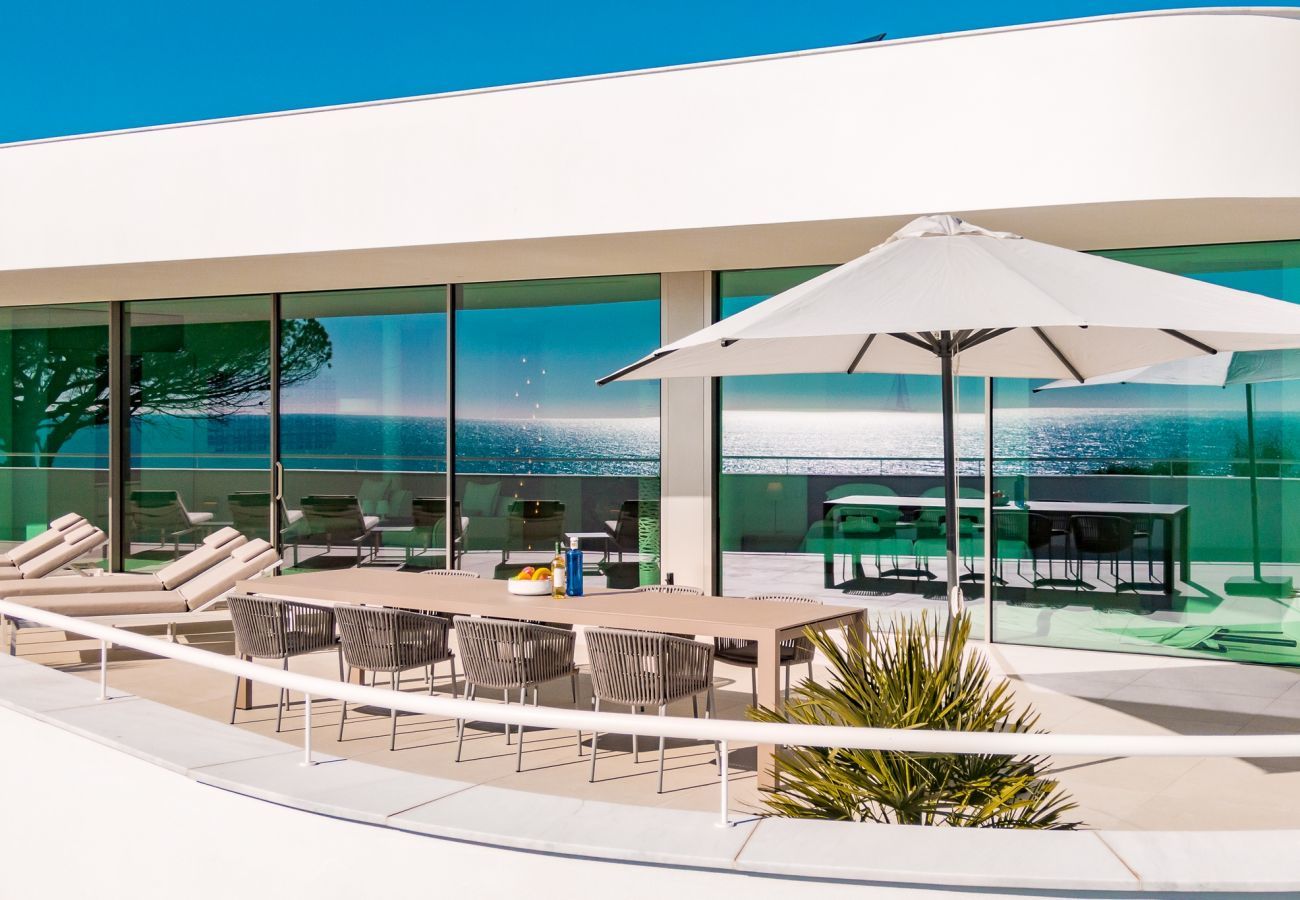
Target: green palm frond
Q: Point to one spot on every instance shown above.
(908, 675)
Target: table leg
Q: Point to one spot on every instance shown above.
(1185, 545)
(769, 696)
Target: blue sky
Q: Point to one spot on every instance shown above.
(74, 67)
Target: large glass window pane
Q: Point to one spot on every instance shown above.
(1143, 536)
(363, 427)
(53, 416)
(541, 451)
(199, 428)
(803, 456)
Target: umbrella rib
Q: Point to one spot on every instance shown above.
(914, 341)
(981, 337)
(627, 370)
(861, 352)
(1204, 348)
(1056, 351)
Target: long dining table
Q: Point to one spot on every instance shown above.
(767, 623)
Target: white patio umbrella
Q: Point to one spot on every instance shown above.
(1223, 370)
(944, 296)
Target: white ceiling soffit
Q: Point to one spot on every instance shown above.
(1138, 130)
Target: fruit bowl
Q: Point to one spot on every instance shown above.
(528, 587)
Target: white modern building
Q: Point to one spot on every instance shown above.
(401, 302)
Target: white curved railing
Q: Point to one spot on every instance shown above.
(724, 731)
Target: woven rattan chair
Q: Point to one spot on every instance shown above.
(745, 653)
(381, 639)
(506, 655)
(671, 589)
(641, 669)
(278, 629)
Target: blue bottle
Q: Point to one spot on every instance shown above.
(573, 569)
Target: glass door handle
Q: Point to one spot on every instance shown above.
(279, 480)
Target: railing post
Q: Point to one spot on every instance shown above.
(724, 764)
(306, 732)
(103, 670)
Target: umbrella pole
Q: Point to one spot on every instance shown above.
(1256, 585)
(952, 522)
(1254, 481)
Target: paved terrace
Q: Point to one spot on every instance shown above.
(1075, 691)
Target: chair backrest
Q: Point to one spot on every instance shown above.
(627, 524)
(250, 512)
(75, 542)
(390, 640)
(535, 524)
(269, 628)
(505, 654)
(163, 510)
(933, 514)
(215, 548)
(46, 540)
(431, 513)
(245, 561)
(1101, 534)
(336, 516)
(453, 573)
(802, 647)
(645, 668)
(668, 589)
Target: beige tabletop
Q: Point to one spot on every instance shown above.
(765, 622)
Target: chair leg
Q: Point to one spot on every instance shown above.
(594, 735)
(344, 717)
(636, 752)
(787, 683)
(394, 681)
(573, 686)
(663, 709)
(753, 686)
(279, 707)
(455, 691)
(234, 704)
(695, 706)
(810, 671)
(505, 698)
(460, 723)
(519, 750)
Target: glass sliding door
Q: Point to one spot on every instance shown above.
(817, 471)
(363, 419)
(1150, 526)
(53, 416)
(199, 426)
(542, 453)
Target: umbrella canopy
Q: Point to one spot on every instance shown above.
(943, 295)
(1220, 370)
(1016, 308)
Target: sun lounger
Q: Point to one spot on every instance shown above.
(215, 548)
(74, 543)
(46, 540)
(195, 595)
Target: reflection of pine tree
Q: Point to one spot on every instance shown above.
(58, 378)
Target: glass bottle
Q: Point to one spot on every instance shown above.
(558, 585)
(573, 569)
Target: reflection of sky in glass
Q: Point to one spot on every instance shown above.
(543, 361)
(382, 365)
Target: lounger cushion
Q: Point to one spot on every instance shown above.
(80, 584)
(81, 539)
(120, 603)
(251, 550)
(221, 536)
(179, 571)
(63, 523)
(222, 577)
(43, 542)
(10, 573)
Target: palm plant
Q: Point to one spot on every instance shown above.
(911, 676)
